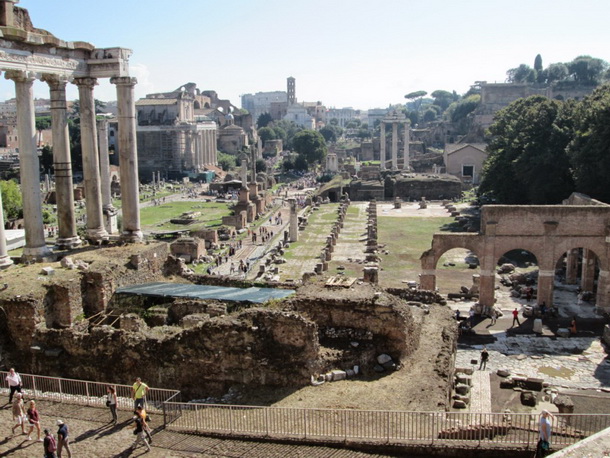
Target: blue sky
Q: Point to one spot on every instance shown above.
(358, 53)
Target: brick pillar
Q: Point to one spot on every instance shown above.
(545, 287)
(382, 146)
(602, 300)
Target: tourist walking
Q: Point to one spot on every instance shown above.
(33, 420)
(516, 318)
(49, 444)
(62, 439)
(139, 391)
(544, 429)
(484, 358)
(14, 383)
(19, 415)
(111, 403)
(139, 432)
(141, 412)
(493, 316)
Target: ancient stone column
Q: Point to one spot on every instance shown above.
(128, 159)
(394, 146)
(189, 157)
(5, 260)
(35, 246)
(406, 158)
(486, 288)
(67, 236)
(572, 266)
(244, 173)
(294, 222)
(382, 145)
(91, 161)
(602, 300)
(588, 270)
(110, 219)
(545, 287)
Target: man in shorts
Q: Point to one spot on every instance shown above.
(138, 393)
(19, 413)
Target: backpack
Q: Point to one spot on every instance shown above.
(52, 443)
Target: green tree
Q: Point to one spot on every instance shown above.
(527, 161)
(587, 69)
(590, 150)
(46, 159)
(226, 161)
(329, 134)
(430, 114)
(538, 63)
(300, 163)
(261, 165)
(11, 199)
(416, 97)
(522, 74)
(557, 72)
(311, 145)
(267, 133)
(264, 120)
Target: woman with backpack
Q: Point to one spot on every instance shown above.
(50, 444)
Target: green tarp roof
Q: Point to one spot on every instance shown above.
(222, 293)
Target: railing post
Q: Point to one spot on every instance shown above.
(345, 425)
(305, 423)
(61, 392)
(34, 385)
(87, 391)
(231, 419)
(267, 421)
(388, 427)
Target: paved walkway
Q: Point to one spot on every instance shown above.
(480, 394)
(92, 436)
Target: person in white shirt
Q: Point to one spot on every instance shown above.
(14, 383)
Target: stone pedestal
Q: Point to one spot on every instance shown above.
(293, 227)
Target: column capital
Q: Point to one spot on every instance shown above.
(20, 76)
(124, 80)
(86, 81)
(55, 81)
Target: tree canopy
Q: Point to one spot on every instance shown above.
(11, 199)
(310, 145)
(527, 161)
(264, 120)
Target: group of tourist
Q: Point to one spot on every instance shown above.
(54, 445)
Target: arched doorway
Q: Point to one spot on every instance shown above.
(518, 274)
(458, 271)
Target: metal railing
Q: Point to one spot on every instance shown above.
(323, 425)
(424, 428)
(87, 393)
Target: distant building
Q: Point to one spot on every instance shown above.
(171, 139)
(465, 161)
(376, 114)
(300, 116)
(261, 102)
(342, 115)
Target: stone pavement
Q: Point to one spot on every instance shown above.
(480, 394)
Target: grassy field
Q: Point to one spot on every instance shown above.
(406, 239)
(157, 218)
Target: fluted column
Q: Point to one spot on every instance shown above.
(406, 158)
(128, 150)
(91, 161)
(5, 260)
(67, 236)
(35, 246)
(394, 146)
(382, 145)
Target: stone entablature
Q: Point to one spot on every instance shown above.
(547, 231)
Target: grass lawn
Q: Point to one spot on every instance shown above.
(405, 239)
(157, 218)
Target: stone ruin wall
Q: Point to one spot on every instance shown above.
(208, 349)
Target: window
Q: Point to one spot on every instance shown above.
(468, 171)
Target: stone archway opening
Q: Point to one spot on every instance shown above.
(458, 272)
(576, 283)
(518, 274)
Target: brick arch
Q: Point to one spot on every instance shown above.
(503, 249)
(592, 245)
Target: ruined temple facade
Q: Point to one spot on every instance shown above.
(173, 138)
(28, 54)
(576, 233)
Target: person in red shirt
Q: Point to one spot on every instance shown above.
(516, 317)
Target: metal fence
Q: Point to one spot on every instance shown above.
(323, 425)
(423, 428)
(86, 393)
